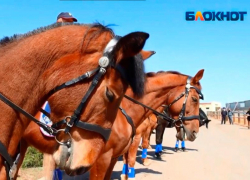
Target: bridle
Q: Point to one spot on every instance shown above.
(182, 116)
(173, 122)
(104, 62)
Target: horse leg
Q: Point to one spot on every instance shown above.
(132, 156)
(110, 169)
(159, 137)
(23, 148)
(101, 166)
(145, 145)
(124, 175)
(48, 167)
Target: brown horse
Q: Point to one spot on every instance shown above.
(144, 132)
(33, 137)
(160, 88)
(34, 64)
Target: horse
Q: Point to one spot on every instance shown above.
(45, 143)
(159, 88)
(156, 122)
(162, 124)
(41, 64)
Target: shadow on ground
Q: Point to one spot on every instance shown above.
(151, 156)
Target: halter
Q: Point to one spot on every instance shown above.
(104, 62)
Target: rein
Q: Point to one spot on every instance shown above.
(104, 62)
(166, 118)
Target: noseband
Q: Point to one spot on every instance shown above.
(104, 62)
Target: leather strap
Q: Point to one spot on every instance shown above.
(17, 108)
(75, 117)
(130, 121)
(94, 128)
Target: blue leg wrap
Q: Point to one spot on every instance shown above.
(144, 153)
(57, 174)
(160, 148)
(125, 169)
(183, 144)
(157, 148)
(177, 144)
(131, 172)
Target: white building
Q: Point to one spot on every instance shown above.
(211, 106)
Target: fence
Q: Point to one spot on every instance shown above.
(239, 117)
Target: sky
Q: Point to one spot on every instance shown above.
(221, 48)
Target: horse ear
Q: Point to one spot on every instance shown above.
(129, 45)
(146, 54)
(198, 76)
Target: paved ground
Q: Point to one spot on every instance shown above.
(221, 152)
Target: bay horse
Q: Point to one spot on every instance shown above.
(162, 124)
(160, 87)
(43, 142)
(149, 124)
(36, 65)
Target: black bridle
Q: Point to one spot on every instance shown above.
(172, 122)
(182, 116)
(104, 62)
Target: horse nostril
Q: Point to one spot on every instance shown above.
(81, 170)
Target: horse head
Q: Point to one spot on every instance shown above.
(183, 106)
(79, 148)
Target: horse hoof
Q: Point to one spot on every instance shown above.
(124, 177)
(184, 149)
(158, 155)
(146, 162)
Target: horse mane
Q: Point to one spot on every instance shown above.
(152, 74)
(7, 40)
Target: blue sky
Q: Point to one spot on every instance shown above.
(222, 48)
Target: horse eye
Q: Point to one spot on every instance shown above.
(110, 95)
(194, 99)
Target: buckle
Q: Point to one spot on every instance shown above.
(68, 122)
(13, 171)
(188, 86)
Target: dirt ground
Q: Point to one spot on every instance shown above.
(219, 153)
(30, 174)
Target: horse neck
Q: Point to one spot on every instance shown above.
(156, 93)
(33, 56)
(22, 66)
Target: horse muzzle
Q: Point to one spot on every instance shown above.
(185, 134)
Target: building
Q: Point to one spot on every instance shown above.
(211, 106)
(237, 106)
